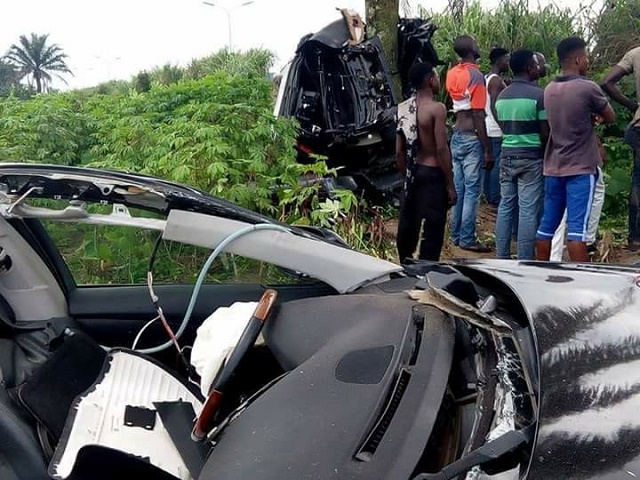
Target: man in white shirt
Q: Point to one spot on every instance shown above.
(499, 58)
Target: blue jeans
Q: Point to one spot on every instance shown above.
(521, 187)
(467, 158)
(491, 180)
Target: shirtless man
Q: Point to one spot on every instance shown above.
(423, 156)
(470, 146)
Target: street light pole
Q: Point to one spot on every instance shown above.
(228, 12)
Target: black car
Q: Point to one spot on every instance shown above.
(339, 88)
(339, 365)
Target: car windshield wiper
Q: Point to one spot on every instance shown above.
(490, 452)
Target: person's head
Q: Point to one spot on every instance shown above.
(422, 75)
(542, 63)
(524, 64)
(467, 48)
(499, 58)
(572, 54)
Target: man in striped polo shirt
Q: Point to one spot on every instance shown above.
(522, 117)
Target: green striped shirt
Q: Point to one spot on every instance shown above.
(520, 108)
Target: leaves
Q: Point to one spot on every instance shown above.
(217, 134)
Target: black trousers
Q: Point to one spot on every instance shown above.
(426, 200)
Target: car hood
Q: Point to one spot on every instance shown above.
(193, 217)
(586, 324)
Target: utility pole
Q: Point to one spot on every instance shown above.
(228, 11)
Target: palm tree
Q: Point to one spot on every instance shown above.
(35, 58)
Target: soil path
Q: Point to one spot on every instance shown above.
(608, 252)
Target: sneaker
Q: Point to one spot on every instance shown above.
(633, 246)
(477, 248)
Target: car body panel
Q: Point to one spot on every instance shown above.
(586, 324)
(191, 215)
(583, 364)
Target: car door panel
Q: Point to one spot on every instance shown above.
(114, 314)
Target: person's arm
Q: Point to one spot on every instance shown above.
(599, 104)
(601, 150)
(608, 114)
(542, 119)
(481, 130)
(478, 101)
(443, 154)
(401, 152)
(610, 86)
(544, 133)
(496, 85)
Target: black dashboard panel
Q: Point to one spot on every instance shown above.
(347, 356)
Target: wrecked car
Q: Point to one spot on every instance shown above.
(339, 88)
(346, 366)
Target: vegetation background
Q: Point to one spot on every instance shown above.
(210, 125)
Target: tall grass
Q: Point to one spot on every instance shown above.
(513, 24)
(253, 62)
(615, 31)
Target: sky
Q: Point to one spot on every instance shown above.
(115, 39)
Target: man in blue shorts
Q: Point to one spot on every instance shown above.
(573, 103)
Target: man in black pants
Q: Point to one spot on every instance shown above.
(423, 155)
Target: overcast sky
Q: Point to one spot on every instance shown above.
(114, 39)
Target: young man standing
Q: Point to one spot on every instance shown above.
(521, 113)
(630, 64)
(470, 147)
(571, 158)
(499, 58)
(423, 155)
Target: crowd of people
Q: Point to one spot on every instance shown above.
(533, 153)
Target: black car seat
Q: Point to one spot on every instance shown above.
(21, 352)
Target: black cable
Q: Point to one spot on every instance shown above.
(154, 253)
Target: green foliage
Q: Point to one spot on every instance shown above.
(142, 82)
(252, 63)
(513, 24)
(48, 129)
(615, 31)
(167, 74)
(217, 134)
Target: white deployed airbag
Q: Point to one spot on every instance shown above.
(216, 338)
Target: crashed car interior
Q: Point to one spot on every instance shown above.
(341, 366)
(364, 370)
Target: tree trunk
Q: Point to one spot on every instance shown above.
(382, 19)
(36, 75)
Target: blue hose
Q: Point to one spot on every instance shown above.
(203, 274)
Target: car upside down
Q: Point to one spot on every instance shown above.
(339, 88)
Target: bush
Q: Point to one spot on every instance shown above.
(512, 25)
(217, 134)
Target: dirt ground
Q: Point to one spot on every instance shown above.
(608, 252)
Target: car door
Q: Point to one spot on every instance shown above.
(103, 273)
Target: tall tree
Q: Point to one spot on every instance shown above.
(382, 20)
(34, 57)
(9, 77)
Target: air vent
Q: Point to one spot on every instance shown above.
(368, 449)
